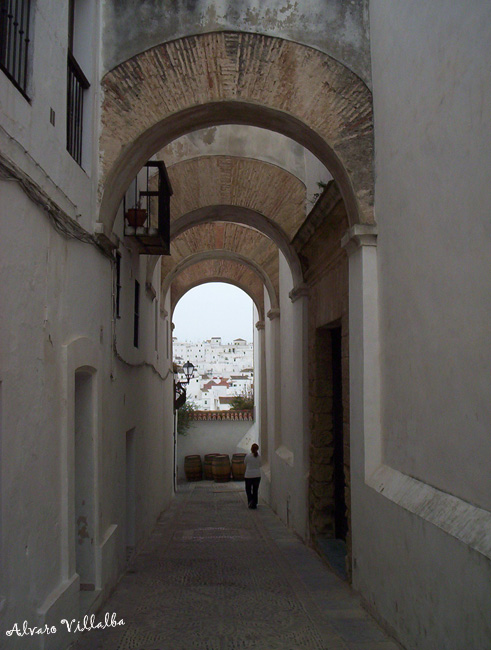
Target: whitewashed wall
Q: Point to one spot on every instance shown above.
(57, 316)
(53, 295)
(421, 523)
(288, 443)
(210, 437)
(333, 26)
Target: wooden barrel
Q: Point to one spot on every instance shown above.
(221, 468)
(238, 467)
(208, 466)
(193, 468)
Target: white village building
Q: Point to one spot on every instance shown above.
(212, 357)
(222, 370)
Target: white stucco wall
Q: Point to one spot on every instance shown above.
(335, 27)
(57, 307)
(214, 437)
(55, 294)
(25, 125)
(433, 196)
(41, 297)
(289, 448)
(421, 523)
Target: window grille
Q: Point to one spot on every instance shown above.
(14, 40)
(76, 84)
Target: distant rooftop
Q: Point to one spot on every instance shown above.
(226, 399)
(211, 383)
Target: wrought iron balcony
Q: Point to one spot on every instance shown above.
(146, 209)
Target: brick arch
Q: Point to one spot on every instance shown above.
(248, 217)
(185, 288)
(229, 236)
(217, 270)
(216, 255)
(236, 78)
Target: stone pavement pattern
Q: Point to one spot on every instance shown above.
(218, 576)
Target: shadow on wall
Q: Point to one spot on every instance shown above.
(209, 437)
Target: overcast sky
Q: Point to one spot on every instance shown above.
(214, 309)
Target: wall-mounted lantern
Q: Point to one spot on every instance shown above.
(188, 371)
(180, 396)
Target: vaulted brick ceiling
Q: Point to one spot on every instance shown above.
(225, 237)
(236, 78)
(232, 181)
(245, 182)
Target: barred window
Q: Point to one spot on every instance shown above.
(77, 84)
(14, 41)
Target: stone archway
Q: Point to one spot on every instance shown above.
(222, 255)
(247, 217)
(241, 78)
(212, 269)
(248, 79)
(240, 217)
(181, 291)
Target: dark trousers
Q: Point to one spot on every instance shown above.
(252, 487)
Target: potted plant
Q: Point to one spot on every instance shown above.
(136, 216)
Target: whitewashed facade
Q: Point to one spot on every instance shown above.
(212, 357)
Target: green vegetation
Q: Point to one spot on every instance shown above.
(244, 401)
(322, 186)
(185, 417)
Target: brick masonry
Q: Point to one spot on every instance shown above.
(225, 237)
(234, 181)
(245, 182)
(246, 78)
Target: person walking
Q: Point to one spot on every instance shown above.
(252, 475)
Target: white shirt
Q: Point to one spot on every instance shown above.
(253, 466)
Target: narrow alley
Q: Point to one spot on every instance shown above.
(217, 576)
(331, 161)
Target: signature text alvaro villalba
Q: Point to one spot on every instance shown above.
(88, 623)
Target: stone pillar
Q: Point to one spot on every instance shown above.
(261, 390)
(274, 392)
(299, 296)
(364, 344)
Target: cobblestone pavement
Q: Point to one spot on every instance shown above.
(218, 576)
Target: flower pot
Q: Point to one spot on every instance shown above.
(136, 217)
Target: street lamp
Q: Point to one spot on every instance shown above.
(188, 371)
(180, 397)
